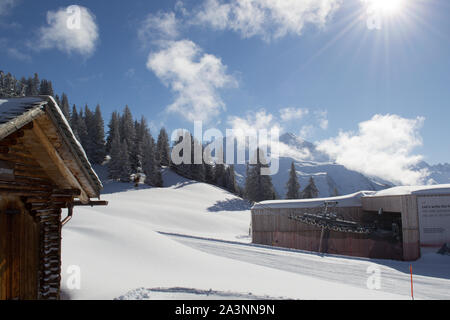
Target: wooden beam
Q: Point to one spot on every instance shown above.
(8, 142)
(25, 187)
(17, 159)
(90, 203)
(20, 152)
(49, 159)
(66, 192)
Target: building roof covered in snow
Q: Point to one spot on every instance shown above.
(351, 200)
(17, 113)
(414, 190)
(355, 199)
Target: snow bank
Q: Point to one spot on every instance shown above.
(352, 200)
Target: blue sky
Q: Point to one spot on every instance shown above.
(318, 70)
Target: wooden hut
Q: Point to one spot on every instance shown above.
(43, 169)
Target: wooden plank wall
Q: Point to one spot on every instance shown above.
(273, 227)
(19, 251)
(30, 248)
(410, 222)
(407, 206)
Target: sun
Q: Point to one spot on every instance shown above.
(386, 7)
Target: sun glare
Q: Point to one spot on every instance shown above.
(387, 7)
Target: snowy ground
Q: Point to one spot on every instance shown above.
(190, 241)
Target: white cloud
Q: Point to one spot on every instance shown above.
(194, 76)
(71, 29)
(382, 147)
(6, 6)
(253, 122)
(306, 131)
(322, 118)
(258, 120)
(16, 54)
(289, 114)
(266, 18)
(13, 52)
(159, 26)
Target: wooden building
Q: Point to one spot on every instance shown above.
(43, 169)
(403, 220)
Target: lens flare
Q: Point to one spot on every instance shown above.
(387, 7)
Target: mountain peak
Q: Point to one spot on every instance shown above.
(292, 140)
(300, 149)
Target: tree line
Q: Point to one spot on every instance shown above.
(11, 87)
(130, 151)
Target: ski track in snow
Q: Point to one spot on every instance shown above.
(432, 283)
(190, 294)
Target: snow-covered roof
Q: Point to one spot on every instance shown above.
(414, 190)
(351, 200)
(12, 108)
(15, 113)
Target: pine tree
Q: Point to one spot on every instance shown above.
(293, 186)
(29, 89)
(22, 87)
(197, 169)
(258, 187)
(150, 165)
(9, 86)
(50, 89)
(35, 88)
(43, 88)
(311, 191)
(124, 160)
(127, 126)
(184, 142)
(83, 132)
(119, 165)
(209, 173)
(141, 135)
(98, 137)
(163, 149)
(74, 122)
(230, 180)
(58, 101)
(220, 170)
(65, 106)
(113, 129)
(114, 168)
(2, 84)
(251, 191)
(46, 88)
(88, 139)
(176, 167)
(127, 134)
(136, 156)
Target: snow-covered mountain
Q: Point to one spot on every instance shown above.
(328, 175)
(330, 178)
(439, 173)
